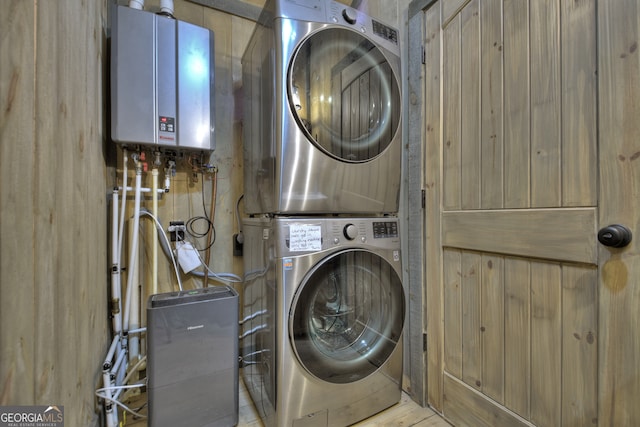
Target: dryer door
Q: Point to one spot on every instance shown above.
(347, 316)
(344, 94)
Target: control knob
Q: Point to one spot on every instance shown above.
(349, 15)
(350, 231)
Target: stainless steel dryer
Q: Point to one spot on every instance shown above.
(322, 111)
(324, 309)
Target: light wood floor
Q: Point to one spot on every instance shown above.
(406, 413)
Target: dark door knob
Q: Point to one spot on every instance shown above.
(616, 236)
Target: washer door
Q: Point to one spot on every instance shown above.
(344, 94)
(347, 316)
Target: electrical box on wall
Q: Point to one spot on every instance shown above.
(162, 81)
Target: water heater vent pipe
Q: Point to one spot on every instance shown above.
(166, 7)
(136, 4)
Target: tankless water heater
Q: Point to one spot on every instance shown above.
(162, 75)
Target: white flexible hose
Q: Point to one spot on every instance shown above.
(165, 245)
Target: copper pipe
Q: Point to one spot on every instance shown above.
(207, 256)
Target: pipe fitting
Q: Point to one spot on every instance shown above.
(136, 4)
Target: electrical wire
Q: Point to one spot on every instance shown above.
(166, 241)
(126, 379)
(100, 394)
(189, 225)
(214, 187)
(221, 277)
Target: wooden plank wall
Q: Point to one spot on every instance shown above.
(53, 264)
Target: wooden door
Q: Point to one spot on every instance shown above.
(530, 141)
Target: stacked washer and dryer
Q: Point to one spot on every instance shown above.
(323, 301)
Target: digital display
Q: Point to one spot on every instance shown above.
(167, 124)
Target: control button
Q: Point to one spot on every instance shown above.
(336, 240)
(350, 231)
(349, 15)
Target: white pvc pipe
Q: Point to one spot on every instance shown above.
(134, 313)
(115, 268)
(166, 6)
(154, 253)
(125, 172)
(111, 412)
(119, 361)
(132, 281)
(145, 190)
(136, 4)
(108, 360)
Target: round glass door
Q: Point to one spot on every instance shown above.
(347, 317)
(344, 95)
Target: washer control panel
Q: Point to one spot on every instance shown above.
(300, 235)
(385, 229)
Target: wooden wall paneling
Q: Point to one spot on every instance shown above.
(491, 107)
(432, 185)
(69, 216)
(470, 109)
(450, 8)
(453, 337)
(545, 104)
(465, 406)
(561, 234)
(193, 13)
(619, 269)
(516, 104)
(579, 345)
(17, 133)
(471, 319)
(579, 103)
(517, 338)
(492, 326)
(386, 10)
(451, 107)
(419, 143)
(546, 345)
(230, 174)
(247, 10)
(55, 194)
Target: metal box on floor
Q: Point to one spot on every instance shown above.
(192, 357)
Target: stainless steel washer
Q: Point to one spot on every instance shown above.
(324, 308)
(322, 111)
